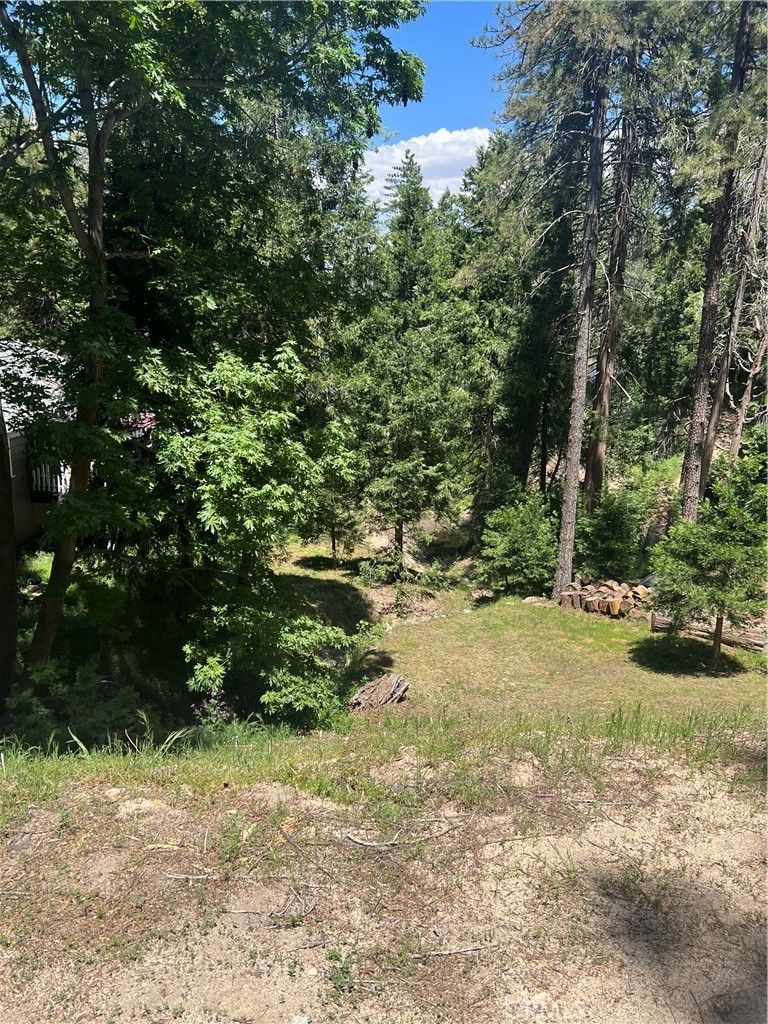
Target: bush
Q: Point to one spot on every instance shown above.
(610, 542)
(715, 567)
(519, 546)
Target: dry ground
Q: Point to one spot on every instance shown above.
(506, 847)
(640, 901)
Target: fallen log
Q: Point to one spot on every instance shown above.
(377, 693)
(746, 639)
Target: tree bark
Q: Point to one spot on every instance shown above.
(52, 605)
(746, 398)
(721, 224)
(89, 234)
(399, 531)
(8, 599)
(717, 641)
(544, 444)
(733, 326)
(333, 544)
(609, 343)
(581, 355)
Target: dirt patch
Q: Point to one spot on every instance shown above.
(642, 904)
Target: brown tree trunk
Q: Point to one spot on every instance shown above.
(746, 398)
(717, 641)
(581, 355)
(721, 224)
(8, 625)
(399, 531)
(52, 604)
(733, 326)
(333, 545)
(609, 343)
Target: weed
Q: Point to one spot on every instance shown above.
(340, 972)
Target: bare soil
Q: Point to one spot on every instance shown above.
(639, 904)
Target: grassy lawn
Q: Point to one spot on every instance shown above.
(513, 656)
(561, 822)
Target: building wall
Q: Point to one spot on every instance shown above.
(26, 516)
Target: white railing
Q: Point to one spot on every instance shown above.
(49, 483)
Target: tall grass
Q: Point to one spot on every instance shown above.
(342, 767)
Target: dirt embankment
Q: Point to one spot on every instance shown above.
(640, 905)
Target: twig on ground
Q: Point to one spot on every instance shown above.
(364, 842)
(395, 841)
(448, 952)
(621, 824)
(696, 1001)
(194, 878)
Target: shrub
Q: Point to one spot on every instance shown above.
(610, 542)
(715, 567)
(519, 546)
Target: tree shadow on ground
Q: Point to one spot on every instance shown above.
(324, 563)
(716, 974)
(376, 663)
(337, 603)
(681, 656)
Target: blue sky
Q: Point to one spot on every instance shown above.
(456, 114)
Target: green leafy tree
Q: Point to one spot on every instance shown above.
(261, 72)
(408, 393)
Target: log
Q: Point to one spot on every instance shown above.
(747, 640)
(615, 606)
(626, 606)
(377, 693)
(592, 604)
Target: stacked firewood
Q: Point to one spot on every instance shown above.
(606, 598)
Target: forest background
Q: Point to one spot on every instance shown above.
(563, 359)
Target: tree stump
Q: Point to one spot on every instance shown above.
(377, 693)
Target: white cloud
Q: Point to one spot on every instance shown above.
(442, 155)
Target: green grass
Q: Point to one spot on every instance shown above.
(487, 685)
(471, 751)
(511, 656)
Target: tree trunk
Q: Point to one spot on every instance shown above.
(746, 398)
(399, 548)
(721, 224)
(609, 343)
(8, 625)
(733, 327)
(717, 641)
(333, 544)
(52, 604)
(543, 454)
(581, 355)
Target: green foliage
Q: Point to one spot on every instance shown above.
(519, 546)
(714, 566)
(610, 542)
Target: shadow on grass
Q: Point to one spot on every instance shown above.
(375, 663)
(337, 603)
(681, 656)
(324, 563)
